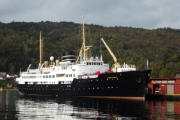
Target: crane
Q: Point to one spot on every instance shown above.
(116, 63)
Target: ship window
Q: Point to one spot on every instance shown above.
(53, 76)
(43, 76)
(35, 83)
(59, 75)
(70, 75)
(90, 63)
(49, 76)
(46, 76)
(74, 75)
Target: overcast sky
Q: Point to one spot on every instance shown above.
(133, 13)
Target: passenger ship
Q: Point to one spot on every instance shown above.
(83, 77)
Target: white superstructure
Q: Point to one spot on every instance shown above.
(64, 72)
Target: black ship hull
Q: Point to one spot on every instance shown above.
(122, 85)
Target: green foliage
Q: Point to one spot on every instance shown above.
(19, 45)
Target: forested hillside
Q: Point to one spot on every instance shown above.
(19, 45)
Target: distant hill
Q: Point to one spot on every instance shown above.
(19, 45)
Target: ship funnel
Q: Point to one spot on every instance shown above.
(46, 63)
(57, 62)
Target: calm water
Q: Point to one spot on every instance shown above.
(14, 107)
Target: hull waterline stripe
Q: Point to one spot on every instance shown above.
(115, 97)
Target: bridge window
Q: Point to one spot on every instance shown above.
(35, 83)
(60, 75)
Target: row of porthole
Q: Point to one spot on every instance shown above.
(109, 87)
(74, 89)
(99, 80)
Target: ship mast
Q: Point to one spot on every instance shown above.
(82, 54)
(83, 42)
(40, 47)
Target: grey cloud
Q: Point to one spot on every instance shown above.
(134, 13)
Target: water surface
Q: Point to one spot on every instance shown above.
(14, 107)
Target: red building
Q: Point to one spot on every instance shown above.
(164, 86)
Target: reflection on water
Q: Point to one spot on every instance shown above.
(112, 109)
(14, 108)
(8, 105)
(164, 110)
